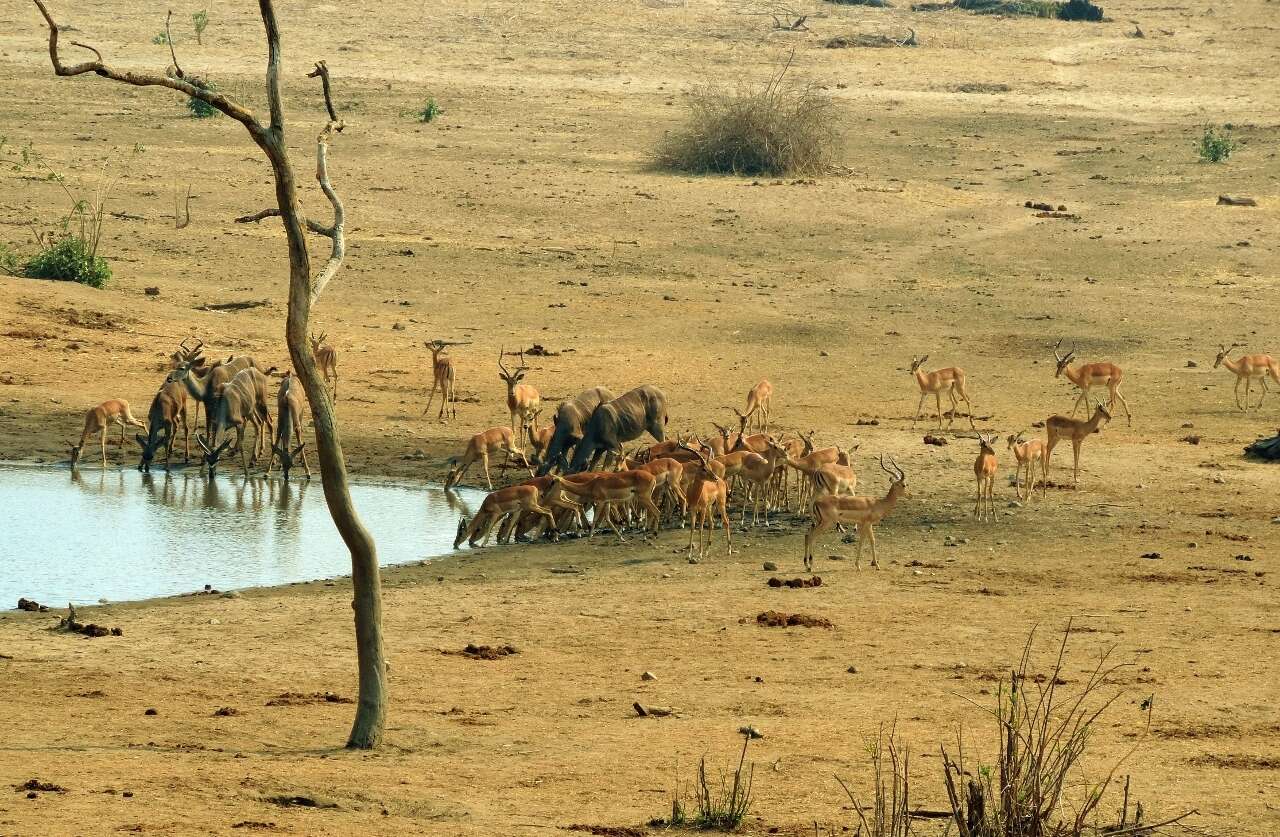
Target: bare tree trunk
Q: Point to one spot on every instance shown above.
(366, 731)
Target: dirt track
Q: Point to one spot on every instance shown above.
(532, 192)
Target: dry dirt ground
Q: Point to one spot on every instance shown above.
(529, 214)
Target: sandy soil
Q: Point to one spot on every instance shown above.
(529, 214)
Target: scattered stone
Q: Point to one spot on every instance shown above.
(151, 711)
(823, 354)
(750, 732)
(931, 439)
(1192, 439)
(1244, 557)
(1191, 364)
(778, 619)
(152, 291)
(397, 326)
(1192, 545)
(796, 583)
(867, 422)
(1152, 555)
(648, 675)
(31, 606)
(771, 567)
(852, 670)
(225, 712)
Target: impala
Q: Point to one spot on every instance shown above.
(1088, 375)
(758, 405)
(707, 493)
(479, 448)
(442, 378)
(864, 512)
(1246, 369)
(522, 399)
(1058, 428)
(1028, 452)
(514, 499)
(289, 402)
(327, 359)
(984, 470)
(950, 380)
(611, 489)
(97, 420)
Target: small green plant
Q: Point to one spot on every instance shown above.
(9, 264)
(722, 806)
(429, 112)
(199, 21)
(200, 109)
(68, 258)
(1215, 144)
(160, 38)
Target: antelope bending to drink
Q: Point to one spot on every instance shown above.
(1088, 375)
(950, 380)
(167, 408)
(1058, 428)
(289, 402)
(479, 448)
(1246, 369)
(97, 419)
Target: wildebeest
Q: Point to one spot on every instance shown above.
(619, 421)
(570, 421)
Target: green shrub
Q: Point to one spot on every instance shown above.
(199, 21)
(160, 38)
(1215, 144)
(9, 264)
(1080, 10)
(68, 259)
(200, 109)
(429, 111)
(779, 129)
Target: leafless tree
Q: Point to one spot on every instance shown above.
(304, 290)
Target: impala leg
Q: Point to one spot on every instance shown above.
(1075, 463)
(724, 519)
(103, 440)
(484, 459)
(693, 526)
(937, 400)
(919, 407)
(977, 504)
(871, 535)
(1265, 390)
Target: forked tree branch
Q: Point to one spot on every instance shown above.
(338, 230)
(173, 53)
(313, 226)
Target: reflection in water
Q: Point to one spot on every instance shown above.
(119, 535)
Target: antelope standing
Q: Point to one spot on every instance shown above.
(707, 494)
(289, 402)
(950, 380)
(479, 448)
(204, 383)
(1028, 452)
(242, 401)
(442, 378)
(1088, 375)
(522, 399)
(515, 499)
(984, 470)
(167, 408)
(865, 512)
(1246, 369)
(97, 420)
(327, 359)
(758, 405)
(539, 440)
(1058, 428)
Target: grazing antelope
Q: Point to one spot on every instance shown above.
(514, 499)
(618, 488)
(1058, 428)
(865, 512)
(241, 401)
(758, 405)
(442, 378)
(97, 419)
(539, 440)
(167, 408)
(1088, 375)
(522, 399)
(707, 493)
(289, 402)
(1246, 369)
(757, 473)
(1027, 452)
(984, 470)
(479, 448)
(949, 380)
(327, 359)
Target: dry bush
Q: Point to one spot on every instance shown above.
(889, 815)
(784, 127)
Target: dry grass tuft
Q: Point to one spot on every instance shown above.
(782, 128)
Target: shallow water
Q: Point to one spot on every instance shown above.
(121, 535)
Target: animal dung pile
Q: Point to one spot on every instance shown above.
(778, 619)
(937, 441)
(303, 699)
(796, 583)
(69, 623)
(485, 652)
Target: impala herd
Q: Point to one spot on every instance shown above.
(580, 456)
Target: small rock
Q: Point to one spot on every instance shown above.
(214, 622)
(1192, 545)
(1151, 555)
(1219, 480)
(1191, 364)
(750, 732)
(852, 669)
(770, 566)
(151, 712)
(648, 675)
(1244, 557)
(823, 354)
(397, 326)
(1187, 425)
(917, 572)
(151, 291)
(127, 794)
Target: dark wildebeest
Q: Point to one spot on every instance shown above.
(619, 421)
(571, 418)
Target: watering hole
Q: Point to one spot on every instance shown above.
(120, 535)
